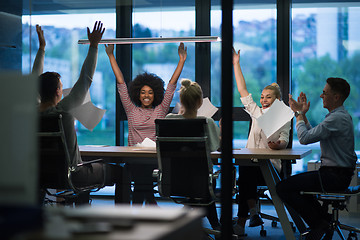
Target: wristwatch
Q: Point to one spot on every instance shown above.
(297, 113)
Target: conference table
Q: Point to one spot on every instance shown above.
(242, 157)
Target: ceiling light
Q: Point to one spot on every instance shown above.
(154, 40)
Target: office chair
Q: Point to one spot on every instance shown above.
(337, 201)
(55, 170)
(185, 172)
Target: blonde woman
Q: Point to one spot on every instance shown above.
(251, 177)
(191, 98)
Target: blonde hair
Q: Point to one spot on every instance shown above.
(275, 88)
(190, 94)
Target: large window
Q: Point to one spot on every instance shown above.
(255, 35)
(161, 59)
(325, 43)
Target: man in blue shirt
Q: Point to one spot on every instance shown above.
(338, 158)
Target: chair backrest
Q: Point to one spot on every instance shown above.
(184, 159)
(54, 159)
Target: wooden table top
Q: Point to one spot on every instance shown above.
(244, 153)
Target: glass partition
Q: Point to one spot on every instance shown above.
(255, 35)
(325, 43)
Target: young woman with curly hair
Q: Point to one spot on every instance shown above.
(143, 103)
(148, 79)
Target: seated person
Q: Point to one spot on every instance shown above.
(51, 102)
(144, 101)
(250, 176)
(338, 158)
(191, 98)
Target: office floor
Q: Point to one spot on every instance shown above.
(276, 233)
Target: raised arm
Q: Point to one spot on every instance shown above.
(109, 49)
(78, 92)
(39, 59)
(182, 50)
(239, 77)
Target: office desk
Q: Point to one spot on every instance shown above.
(242, 157)
(120, 222)
(121, 154)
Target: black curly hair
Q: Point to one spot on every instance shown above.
(148, 79)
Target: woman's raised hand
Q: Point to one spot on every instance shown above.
(109, 49)
(182, 50)
(236, 56)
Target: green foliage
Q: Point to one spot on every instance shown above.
(141, 31)
(312, 79)
(154, 53)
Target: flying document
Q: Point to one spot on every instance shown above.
(207, 109)
(275, 117)
(87, 113)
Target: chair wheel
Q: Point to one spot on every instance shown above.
(274, 224)
(263, 233)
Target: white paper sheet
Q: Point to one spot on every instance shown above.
(147, 143)
(276, 117)
(177, 108)
(88, 114)
(207, 109)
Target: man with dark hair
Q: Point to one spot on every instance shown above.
(49, 83)
(51, 102)
(338, 158)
